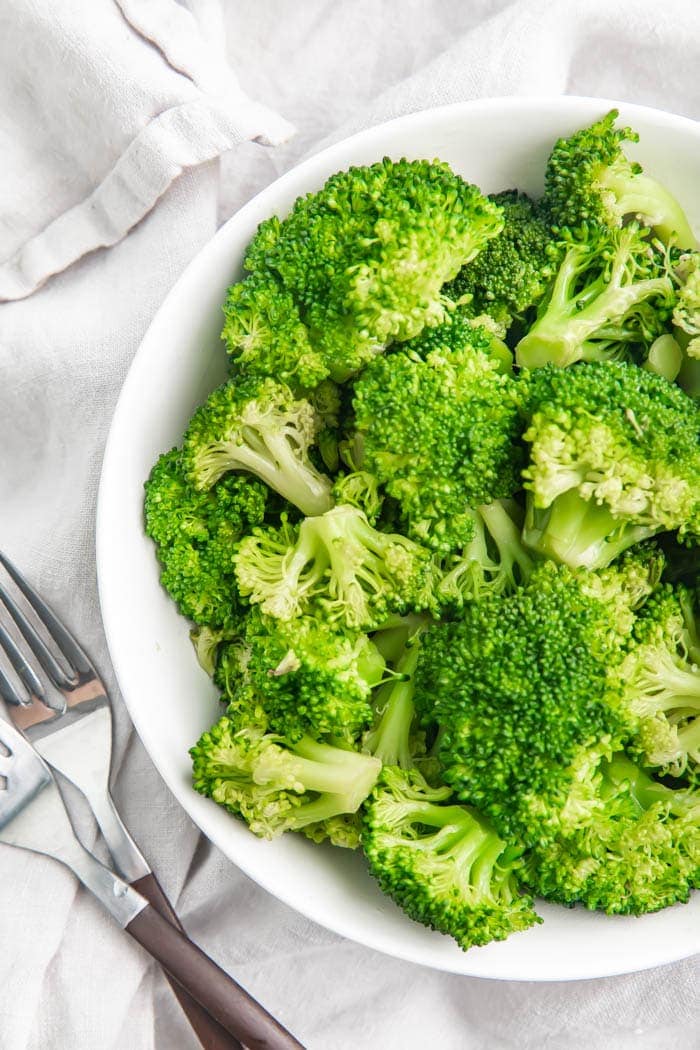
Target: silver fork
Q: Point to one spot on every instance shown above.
(71, 727)
(34, 817)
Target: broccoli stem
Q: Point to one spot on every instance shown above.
(689, 738)
(389, 741)
(642, 196)
(505, 535)
(316, 766)
(619, 771)
(579, 533)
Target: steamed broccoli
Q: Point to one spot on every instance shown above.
(510, 274)
(590, 180)
(494, 561)
(337, 565)
(195, 533)
(364, 258)
(257, 425)
(612, 296)
(276, 785)
(614, 459)
(633, 846)
(306, 676)
(264, 333)
(443, 864)
(441, 432)
(661, 683)
(519, 687)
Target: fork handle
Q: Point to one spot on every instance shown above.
(209, 1032)
(218, 993)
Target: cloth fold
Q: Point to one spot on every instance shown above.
(69, 980)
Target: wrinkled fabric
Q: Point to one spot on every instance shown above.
(69, 980)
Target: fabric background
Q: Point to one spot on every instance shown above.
(68, 979)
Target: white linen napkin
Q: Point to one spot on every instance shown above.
(68, 979)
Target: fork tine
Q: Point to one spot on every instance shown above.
(24, 671)
(45, 658)
(10, 694)
(73, 653)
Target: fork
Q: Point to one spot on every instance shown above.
(71, 729)
(33, 816)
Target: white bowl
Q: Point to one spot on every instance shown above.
(498, 144)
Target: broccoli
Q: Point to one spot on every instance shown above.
(256, 424)
(633, 848)
(494, 561)
(365, 257)
(441, 433)
(443, 864)
(661, 682)
(277, 785)
(590, 180)
(337, 565)
(511, 273)
(195, 533)
(264, 334)
(307, 677)
(686, 320)
(360, 489)
(614, 459)
(519, 687)
(612, 296)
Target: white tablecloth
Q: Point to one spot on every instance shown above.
(84, 87)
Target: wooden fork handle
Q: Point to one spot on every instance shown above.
(222, 997)
(209, 1032)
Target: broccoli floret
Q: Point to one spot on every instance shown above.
(614, 459)
(510, 274)
(590, 180)
(195, 533)
(343, 831)
(360, 489)
(633, 848)
(257, 425)
(264, 334)
(364, 258)
(441, 433)
(611, 298)
(337, 565)
(493, 562)
(443, 864)
(661, 683)
(519, 686)
(306, 676)
(686, 311)
(276, 785)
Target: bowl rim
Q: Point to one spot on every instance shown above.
(108, 490)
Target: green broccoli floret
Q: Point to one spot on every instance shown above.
(661, 683)
(360, 489)
(510, 274)
(264, 334)
(306, 676)
(686, 320)
(519, 687)
(611, 298)
(343, 830)
(256, 424)
(493, 562)
(633, 848)
(443, 864)
(590, 180)
(195, 534)
(276, 785)
(614, 459)
(441, 433)
(337, 565)
(365, 257)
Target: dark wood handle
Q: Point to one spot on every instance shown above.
(206, 982)
(209, 1032)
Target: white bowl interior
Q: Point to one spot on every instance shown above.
(497, 144)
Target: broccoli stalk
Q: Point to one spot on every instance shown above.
(607, 294)
(256, 424)
(390, 738)
(590, 180)
(277, 785)
(338, 564)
